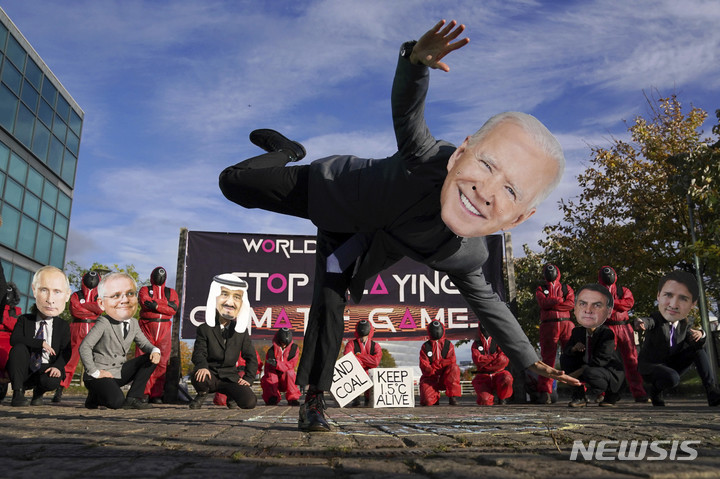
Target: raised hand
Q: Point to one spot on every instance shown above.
(436, 43)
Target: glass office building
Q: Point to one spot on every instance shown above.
(40, 126)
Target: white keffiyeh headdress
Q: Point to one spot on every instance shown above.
(233, 283)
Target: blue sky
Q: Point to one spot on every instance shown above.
(171, 90)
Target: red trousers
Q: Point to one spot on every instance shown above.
(447, 379)
(625, 344)
(275, 382)
(78, 331)
(4, 352)
(485, 385)
(552, 333)
(160, 335)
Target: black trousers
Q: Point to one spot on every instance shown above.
(598, 379)
(18, 367)
(241, 394)
(107, 392)
(667, 375)
(264, 182)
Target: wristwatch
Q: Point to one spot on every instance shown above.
(407, 48)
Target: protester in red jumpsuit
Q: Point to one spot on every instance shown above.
(158, 305)
(220, 399)
(439, 368)
(621, 326)
(556, 300)
(84, 310)
(367, 351)
(10, 313)
(280, 363)
(491, 376)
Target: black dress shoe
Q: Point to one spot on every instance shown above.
(135, 403)
(198, 401)
(58, 394)
(312, 414)
(656, 396)
(157, 400)
(37, 400)
(578, 402)
(271, 140)
(18, 399)
(713, 395)
(610, 399)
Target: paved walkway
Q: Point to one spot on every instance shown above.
(526, 441)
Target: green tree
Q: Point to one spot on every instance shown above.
(75, 273)
(630, 216)
(387, 360)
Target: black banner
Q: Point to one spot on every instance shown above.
(279, 269)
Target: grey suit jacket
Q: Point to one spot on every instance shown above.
(394, 204)
(105, 347)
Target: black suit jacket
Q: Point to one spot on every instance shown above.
(212, 352)
(393, 205)
(603, 353)
(656, 343)
(24, 335)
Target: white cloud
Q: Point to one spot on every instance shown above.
(171, 91)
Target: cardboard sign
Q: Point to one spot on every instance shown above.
(349, 380)
(393, 387)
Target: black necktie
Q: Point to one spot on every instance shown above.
(126, 328)
(36, 358)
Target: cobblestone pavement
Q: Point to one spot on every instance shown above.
(526, 441)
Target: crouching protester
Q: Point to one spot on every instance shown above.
(671, 346)
(590, 353)
(220, 341)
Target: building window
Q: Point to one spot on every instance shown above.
(30, 96)
(68, 169)
(31, 205)
(13, 194)
(24, 125)
(33, 73)
(45, 113)
(64, 204)
(41, 141)
(50, 194)
(26, 240)
(11, 77)
(57, 253)
(16, 53)
(42, 245)
(8, 108)
(49, 92)
(11, 224)
(18, 168)
(3, 36)
(47, 215)
(34, 182)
